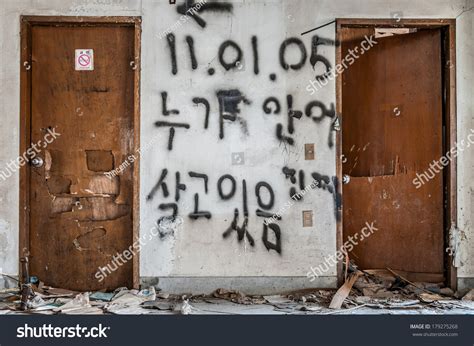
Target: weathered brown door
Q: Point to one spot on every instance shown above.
(392, 129)
(80, 218)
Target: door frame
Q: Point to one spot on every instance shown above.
(26, 24)
(448, 46)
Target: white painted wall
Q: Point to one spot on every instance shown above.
(197, 248)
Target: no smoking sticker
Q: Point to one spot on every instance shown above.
(84, 60)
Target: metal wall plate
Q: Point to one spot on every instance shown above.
(309, 151)
(307, 218)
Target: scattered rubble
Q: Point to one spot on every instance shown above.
(469, 296)
(364, 292)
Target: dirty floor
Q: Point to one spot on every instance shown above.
(362, 293)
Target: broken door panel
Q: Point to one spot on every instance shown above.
(76, 222)
(392, 130)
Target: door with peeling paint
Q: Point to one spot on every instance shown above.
(392, 130)
(80, 217)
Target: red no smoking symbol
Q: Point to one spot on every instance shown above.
(84, 60)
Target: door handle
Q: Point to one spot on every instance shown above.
(37, 162)
(346, 179)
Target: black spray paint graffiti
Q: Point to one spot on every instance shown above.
(320, 181)
(269, 245)
(191, 8)
(266, 105)
(238, 58)
(303, 54)
(197, 214)
(272, 105)
(256, 69)
(164, 107)
(316, 57)
(164, 231)
(324, 112)
(192, 54)
(171, 39)
(203, 101)
(172, 125)
(271, 202)
(230, 100)
(179, 187)
(202, 176)
(243, 231)
(227, 189)
(230, 57)
(330, 185)
(161, 184)
(234, 227)
(230, 46)
(231, 193)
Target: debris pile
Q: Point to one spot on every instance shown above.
(389, 289)
(364, 292)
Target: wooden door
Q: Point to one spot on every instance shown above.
(81, 218)
(392, 129)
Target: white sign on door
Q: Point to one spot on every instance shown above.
(84, 60)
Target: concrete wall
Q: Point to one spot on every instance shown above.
(198, 248)
(464, 239)
(249, 149)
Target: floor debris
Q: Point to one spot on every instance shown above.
(103, 296)
(234, 296)
(343, 292)
(469, 296)
(364, 292)
(128, 302)
(186, 308)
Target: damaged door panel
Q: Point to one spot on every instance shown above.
(392, 129)
(80, 218)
